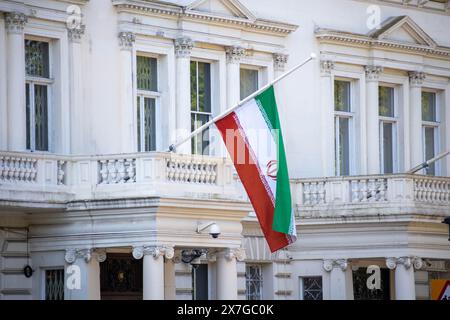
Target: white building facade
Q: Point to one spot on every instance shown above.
(92, 94)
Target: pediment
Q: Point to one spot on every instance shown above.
(403, 30)
(225, 8)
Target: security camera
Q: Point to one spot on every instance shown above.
(214, 229)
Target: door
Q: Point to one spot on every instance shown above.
(200, 282)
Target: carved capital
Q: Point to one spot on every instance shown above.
(279, 61)
(15, 22)
(99, 255)
(326, 66)
(416, 78)
(126, 40)
(407, 262)
(154, 251)
(75, 34)
(73, 254)
(235, 253)
(138, 252)
(235, 54)
(329, 264)
(373, 72)
(183, 47)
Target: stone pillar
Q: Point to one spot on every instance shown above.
(373, 123)
(183, 47)
(234, 56)
(279, 63)
(83, 273)
(77, 114)
(327, 116)
(15, 23)
(128, 140)
(153, 269)
(227, 273)
(405, 285)
(415, 110)
(169, 280)
(341, 279)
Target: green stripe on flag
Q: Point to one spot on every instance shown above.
(283, 205)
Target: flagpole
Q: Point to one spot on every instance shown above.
(427, 163)
(173, 147)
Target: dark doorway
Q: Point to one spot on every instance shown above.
(200, 282)
(121, 277)
(362, 292)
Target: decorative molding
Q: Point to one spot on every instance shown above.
(416, 78)
(73, 254)
(100, 255)
(75, 34)
(329, 264)
(279, 61)
(235, 54)
(235, 253)
(326, 66)
(373, 72)
(126, 40)
(183, 47)
(166, 251)
(15, 22)
(407, 262)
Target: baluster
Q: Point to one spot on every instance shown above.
(322, 193)
(383, 187)
(121, 171)
(307, 193)
(103, 172)
(2, 168)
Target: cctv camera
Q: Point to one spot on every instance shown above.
(214, 231)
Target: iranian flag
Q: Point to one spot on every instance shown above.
(252, 134)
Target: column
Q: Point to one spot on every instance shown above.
(341, 279)
(15, 23)
(279, 63)
(227, 273)
(373, 123)
(83, 273)
(415, 110)
(153, 269)
(183, 48)
(405, 286)
(77, 114)
(169, 280)
(234, 56)
(128, 140)
(327, 116)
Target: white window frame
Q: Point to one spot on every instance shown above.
(142, 94)
(32, 81)
(436, 125)
(394, 121)
(351, 116)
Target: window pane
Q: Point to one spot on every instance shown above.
(200, 143)
(28, 111)
(193, 85)
(149, 125)
(36, 58)
(312, 288)
(388, 145)
(343, 159)
(249, 82)
(54, 284)
(253, 282)
(342, 96)
(41, 117)
(139, 124)
(428, 106)
(386, 101)
(429, 148)
(204, 87)
(146, 73)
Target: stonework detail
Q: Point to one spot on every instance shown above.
(326, 66)
(416, 78)
(126, 40)
(235, 54)
(329, 264)
(373, 72)
(75, 34)
(407, 262)
(279, 61)
(183, 47)
(155, 251)
(15, 22)
(235, 253)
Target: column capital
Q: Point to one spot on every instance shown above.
(373, 72)
(126, 40)
(326, 66)
(235, 253)
(279, 61)
(235, 54)
(329, 264)
(416, 78)
(407, 262)
(72, 254)
(15, 22)
(76, 33)
(166, 251)
(183, 47)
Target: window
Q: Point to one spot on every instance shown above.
(311, 288)
(388, 130)
(37, 86)
(200, 105)
(147, 95)
(343, 126)
(253, 282)
(54, 284)
(430, 128)
(249, 82)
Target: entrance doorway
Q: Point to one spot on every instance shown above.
(200, 282)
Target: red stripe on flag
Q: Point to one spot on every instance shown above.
(251, 179)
